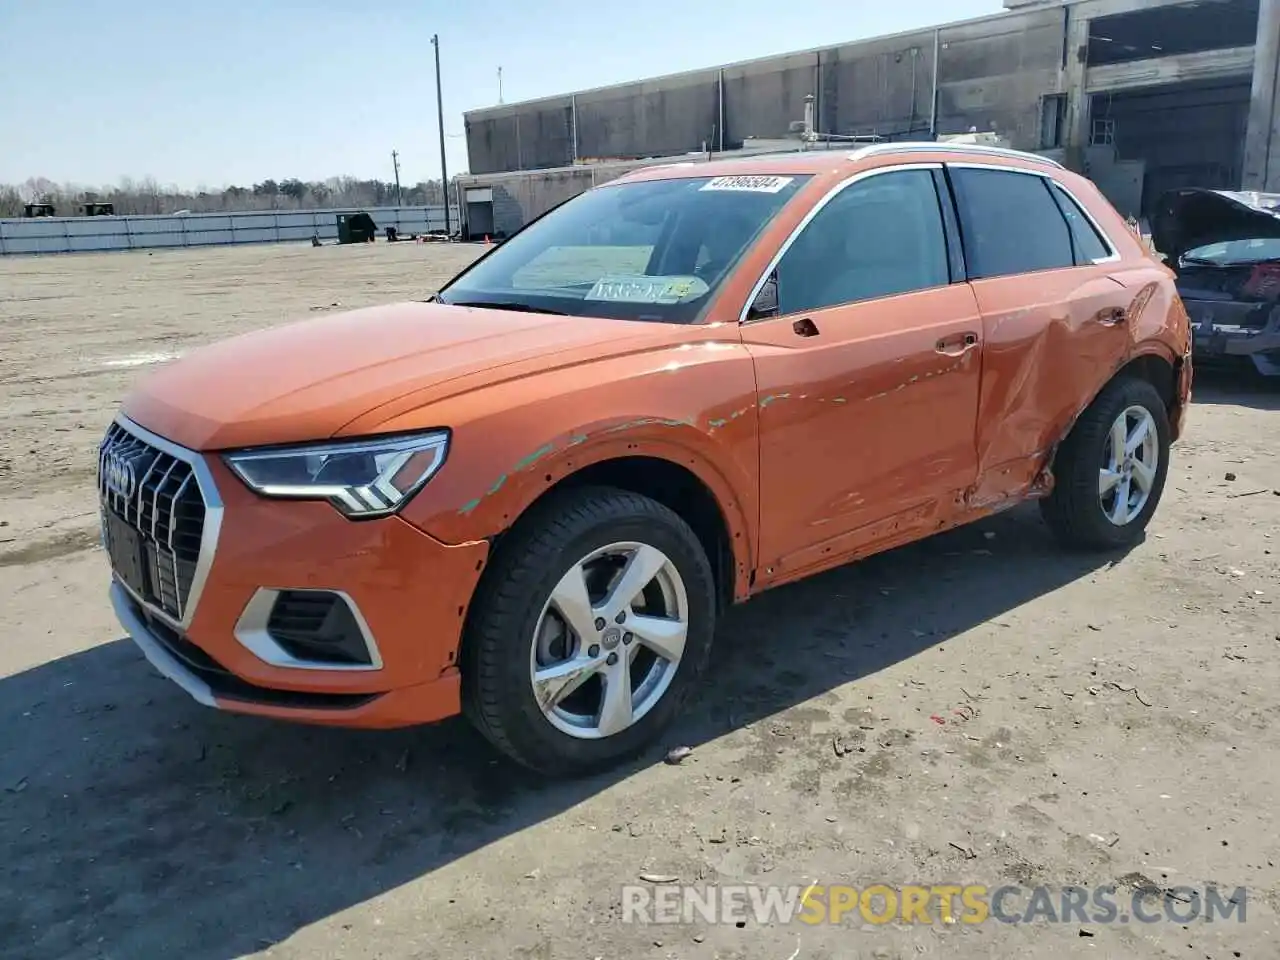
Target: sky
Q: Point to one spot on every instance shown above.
(203, 94)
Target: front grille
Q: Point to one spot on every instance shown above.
(317, 626)
(157, 496)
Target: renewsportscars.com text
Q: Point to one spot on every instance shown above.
(935, 903)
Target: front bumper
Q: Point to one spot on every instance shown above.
(409, 592)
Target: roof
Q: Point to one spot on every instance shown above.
(607, 167)
(823, 161)
(817, 158)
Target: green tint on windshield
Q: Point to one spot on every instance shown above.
(652, 250)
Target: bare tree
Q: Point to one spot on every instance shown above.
(147, 196)
(10, 202)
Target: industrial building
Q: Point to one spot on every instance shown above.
(1141, 95)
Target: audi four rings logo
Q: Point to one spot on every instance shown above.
(117, 476)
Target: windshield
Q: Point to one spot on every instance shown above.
(652, 250)
(1235, 251)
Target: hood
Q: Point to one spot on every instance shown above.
(1193, 217)
(305, 381)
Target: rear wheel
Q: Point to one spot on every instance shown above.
(589, 631)
(1110, 471)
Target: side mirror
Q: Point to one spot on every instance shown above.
(765, 304)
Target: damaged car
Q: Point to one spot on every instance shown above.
(531, 497)
(1225, 248)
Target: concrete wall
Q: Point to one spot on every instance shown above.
(1262, 142)
(991, 74)
(1157, 72)
(520, 197)
(518, 200)
(651, 118)
(994, 74)
(81, 234)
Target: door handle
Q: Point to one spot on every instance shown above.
(957, 346)
(1111, 316)
(805, 328)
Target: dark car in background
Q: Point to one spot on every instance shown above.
(1225, 248)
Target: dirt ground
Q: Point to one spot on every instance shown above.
(977, 708)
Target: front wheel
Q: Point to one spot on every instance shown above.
(588, 631)
(1110, 471)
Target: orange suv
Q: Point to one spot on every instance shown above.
(530, 497)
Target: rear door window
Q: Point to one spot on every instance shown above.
(1011, 223)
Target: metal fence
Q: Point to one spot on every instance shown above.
(81, 234)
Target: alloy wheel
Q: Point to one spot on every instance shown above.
(1130, 459)
(609, 640)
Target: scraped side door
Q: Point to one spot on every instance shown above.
(867, 344)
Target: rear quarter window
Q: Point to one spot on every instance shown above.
(1011, 223)
(1089, 245)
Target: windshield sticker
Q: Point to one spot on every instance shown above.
(748, 184)
(666, 290)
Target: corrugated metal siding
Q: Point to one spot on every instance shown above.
(991, 72)
(82, 234)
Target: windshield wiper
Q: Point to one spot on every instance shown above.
(495, 305)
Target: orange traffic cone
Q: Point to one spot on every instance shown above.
(487, 241)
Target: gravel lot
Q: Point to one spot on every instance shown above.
(977, 708)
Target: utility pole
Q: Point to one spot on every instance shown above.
(444, 169)
(499, 84)
(395, 165)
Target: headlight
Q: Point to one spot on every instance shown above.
(364, 478)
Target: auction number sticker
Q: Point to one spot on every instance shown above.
(748, 184)
(662, 290)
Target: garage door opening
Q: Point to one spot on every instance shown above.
(1173, 29)
(1187, 134)
(478, 222)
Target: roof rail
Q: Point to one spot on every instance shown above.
(967, 149)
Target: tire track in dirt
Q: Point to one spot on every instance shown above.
(51, 548)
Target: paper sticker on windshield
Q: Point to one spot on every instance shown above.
(667, 290)
(748, 184)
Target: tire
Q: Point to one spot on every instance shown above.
(514, 611)
(1077, 510)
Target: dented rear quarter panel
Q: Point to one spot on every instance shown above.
(1158, 321)
(1048, 351)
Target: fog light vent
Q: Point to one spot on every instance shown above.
(317, 626)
